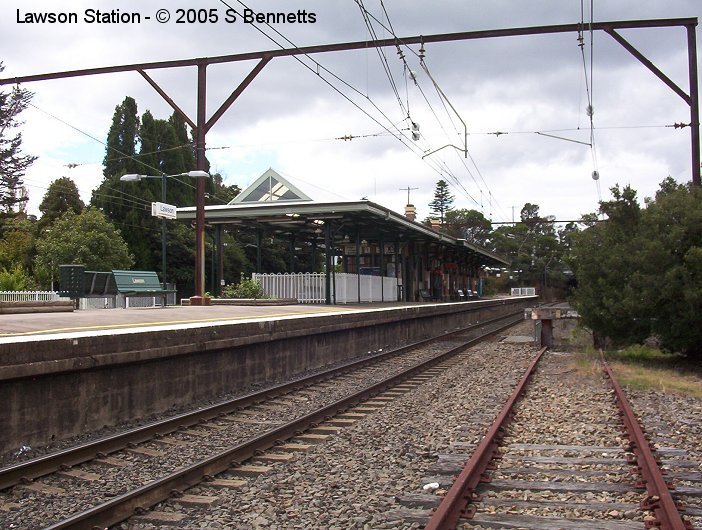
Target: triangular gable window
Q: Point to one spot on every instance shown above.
(270, 187)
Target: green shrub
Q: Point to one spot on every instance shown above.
(246, 288)
(15, 279)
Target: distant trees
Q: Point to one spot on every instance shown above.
(470, 225)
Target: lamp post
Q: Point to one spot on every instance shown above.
(131, 177)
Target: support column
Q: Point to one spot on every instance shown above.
(291, 264)
(200, 164)
(327, 263)
(220, 260)
(694, 105)
(358, 263)
(259, 242)
(398, 271)
(164, 236)
(382, 269)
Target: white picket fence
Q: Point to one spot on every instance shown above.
(107, 302)
(371, 288)
(309, 288)
(28, 296)
(523, 291)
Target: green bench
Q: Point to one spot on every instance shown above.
(139, 283)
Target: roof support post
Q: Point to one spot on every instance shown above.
(397, 268)
(220, 260)
(327, 262)
(358, 263)
(259, 241)
(292, 253)
(381, 242)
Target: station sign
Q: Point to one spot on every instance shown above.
(160, 209)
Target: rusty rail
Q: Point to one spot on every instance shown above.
(462, 492)
(455, 504)
(659, 499)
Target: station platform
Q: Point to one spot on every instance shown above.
(102, 321)
(64, 374)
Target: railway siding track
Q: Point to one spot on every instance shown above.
(565, 460)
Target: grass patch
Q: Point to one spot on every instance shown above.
(643, 368)
(640, 376)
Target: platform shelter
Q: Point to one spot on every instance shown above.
(359, 237)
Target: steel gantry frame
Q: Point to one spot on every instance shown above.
(201, 124)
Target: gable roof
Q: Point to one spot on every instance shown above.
(270, 187)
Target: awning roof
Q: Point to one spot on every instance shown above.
(307, 218)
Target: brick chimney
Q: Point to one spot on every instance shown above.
(435, 224)
(410, 212)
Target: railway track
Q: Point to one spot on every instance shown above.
(564, 453)
(165, 459)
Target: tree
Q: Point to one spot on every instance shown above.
(669, 276)
(122, 141)
(17, 243)
(442, 200)
(606, 261)
(154, 146)
(470, 225)
(13, 163)
(88, 239)
(128, 204)
(61, 197)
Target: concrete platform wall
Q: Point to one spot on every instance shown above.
(54, 389)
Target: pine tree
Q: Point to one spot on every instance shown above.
(12, 163)
(442, 200)
(122, 141)
(61, 197)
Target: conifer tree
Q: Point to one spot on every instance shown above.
(13, 163)
(442, 200)
(122, 141)
(61, 197)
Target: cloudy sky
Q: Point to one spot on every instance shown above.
(291, 118)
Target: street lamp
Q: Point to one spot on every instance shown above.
(132, 177)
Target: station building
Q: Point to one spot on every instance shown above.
(359, 243)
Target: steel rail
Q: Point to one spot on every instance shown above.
(462, 492)
(659, 500)
(124, 506)
(44, 465)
